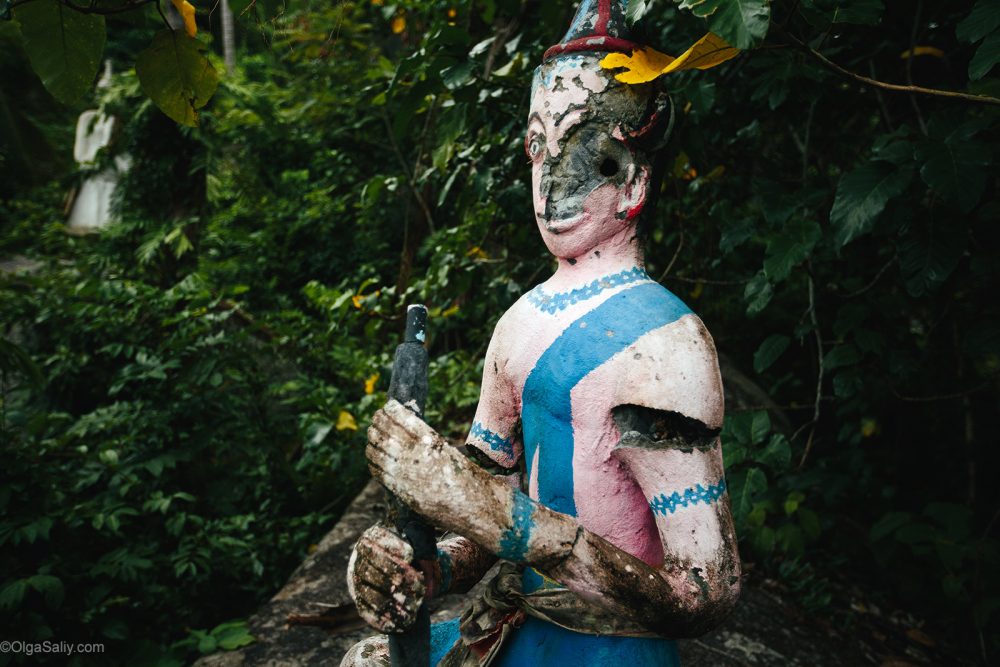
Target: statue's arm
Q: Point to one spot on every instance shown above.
(677, 462)
(460, 496)
(669, 413)
(494, 445)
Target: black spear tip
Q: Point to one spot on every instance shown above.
(416, 323)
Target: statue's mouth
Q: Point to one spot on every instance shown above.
(564, 225)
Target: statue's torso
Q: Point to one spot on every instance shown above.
(570, 359)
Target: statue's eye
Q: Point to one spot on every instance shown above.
(534, 147)
(609, 167)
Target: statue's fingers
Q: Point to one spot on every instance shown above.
(381, 420)
(383, 566)
(398, 418)
(387, 616)
(389, 539)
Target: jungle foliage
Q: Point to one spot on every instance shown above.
(184, 396)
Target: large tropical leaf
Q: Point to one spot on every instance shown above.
(742, 23)
(176, 76)
(63, 45)
(862, 195)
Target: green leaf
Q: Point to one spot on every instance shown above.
(790, 248)
(735, 232)
(233, 635)
(207, 644)
(809, 521)
(888, 525)
(952, 164)
(456, 76)
(987, 55)
(793, 501)
(863, 12)
(742, 23)
(769, 351)
(636, 9)
(790, 539)
(14, 359)
(760, 426)
(733, 454)
(64, 46)
(763, 540)
(895, 147)
(928, 254)
(758, 293)
(861, 197)
(12, 594)
(981, 21)
(176, 76)
(777, 455)
(50, 587)
(840, 356)
(746, 488)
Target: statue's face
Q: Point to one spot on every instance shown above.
(587, 184)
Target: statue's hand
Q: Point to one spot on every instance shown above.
(385, 587)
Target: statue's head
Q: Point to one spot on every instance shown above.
(591, 139)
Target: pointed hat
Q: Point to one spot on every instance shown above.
(599, 25)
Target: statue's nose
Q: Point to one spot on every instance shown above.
(564, 186)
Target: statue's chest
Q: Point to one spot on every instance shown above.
(555, 358)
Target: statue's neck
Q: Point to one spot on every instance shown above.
(611, 256)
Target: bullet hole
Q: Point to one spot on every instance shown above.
(609, 167)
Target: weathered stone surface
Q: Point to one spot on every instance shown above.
(766, 628)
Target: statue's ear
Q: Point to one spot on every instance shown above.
(657, 125)
(633, 195)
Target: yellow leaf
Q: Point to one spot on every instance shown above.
(377, 3)
(922, 51)
(451, 311)
(370, 383)
(477, 252)
(356, 300)
(186, 10)
(345, 421)
(452, 13)
(642, 66)
(869, 427)
(647, 64)
(709, 51)
(698, 289)
(398, 24)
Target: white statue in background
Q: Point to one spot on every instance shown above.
(91, 209)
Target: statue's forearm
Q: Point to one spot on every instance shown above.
(461, 564)
(462, 497)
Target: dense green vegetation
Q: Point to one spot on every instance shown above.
(184, 396)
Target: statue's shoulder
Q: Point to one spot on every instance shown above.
(675, 366)
(511, 326)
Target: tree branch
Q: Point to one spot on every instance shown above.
(920, 90)
(819, 375)
(93, 9)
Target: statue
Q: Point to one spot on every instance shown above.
(601, 399)
(91, 206)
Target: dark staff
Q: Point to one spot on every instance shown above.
(412, 648)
